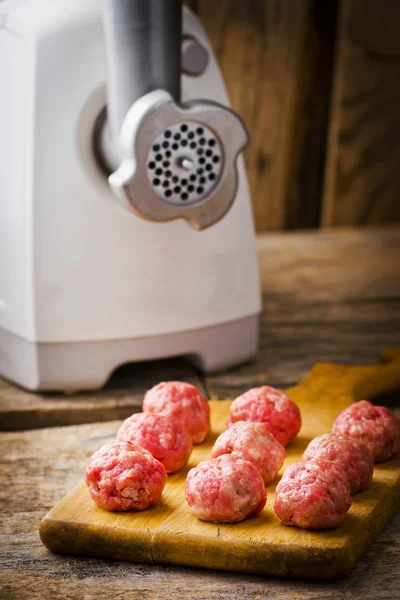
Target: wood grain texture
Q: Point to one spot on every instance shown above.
(306, 173)
(169, 533)
(362, 174)
(326, 296)
(37, 468)
(120, 397)
(260, 47)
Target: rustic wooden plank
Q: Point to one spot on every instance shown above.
(331, 297)
(310, 123)
(38, 467)
(331, 266)
(362, 174)
(120, 397)
(260, 47)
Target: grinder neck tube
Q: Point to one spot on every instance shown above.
(143, 49)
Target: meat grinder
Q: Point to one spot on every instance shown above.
(126, 229)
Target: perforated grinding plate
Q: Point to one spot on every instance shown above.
(184, 163)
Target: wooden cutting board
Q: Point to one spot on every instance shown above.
(169, 533)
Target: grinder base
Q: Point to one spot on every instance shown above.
(74, 366)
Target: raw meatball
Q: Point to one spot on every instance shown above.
(354, 457)
(225, 490)
(252, 442)
(183, 403)
(124, 476)
(268, 405)
(313, 495)
(167, 441)
(375, 426)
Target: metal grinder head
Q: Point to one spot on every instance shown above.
(178, 160)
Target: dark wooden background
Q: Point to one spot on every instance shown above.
(318, 85)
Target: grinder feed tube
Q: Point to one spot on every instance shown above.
(166, 159)
(143, 49)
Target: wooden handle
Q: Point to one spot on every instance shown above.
(342, 384)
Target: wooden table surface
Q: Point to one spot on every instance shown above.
(327, 296)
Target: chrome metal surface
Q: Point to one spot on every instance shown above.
(143, 52)
(144, 130)
(184, 163)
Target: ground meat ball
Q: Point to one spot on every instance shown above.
(268, 405)
(225, 490)
(252, 442)
(354, 457)
(167, 441)
(124, 476)
(184, 404)
(375, 426)
(313, 495)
